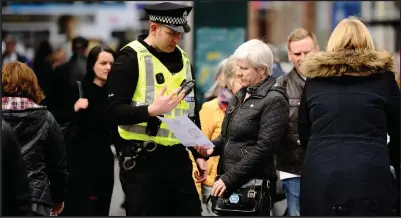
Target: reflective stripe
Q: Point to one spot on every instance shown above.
(186, 111)
(177, 112)
(142, 130)
(191, 110)
(150, 82)
(135, 104)
(189, 73)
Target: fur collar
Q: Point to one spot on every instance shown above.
(350, 63)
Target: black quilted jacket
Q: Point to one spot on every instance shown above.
(16, 196)
(251, 132)
(42, 148)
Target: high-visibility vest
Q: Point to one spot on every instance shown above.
(148, 89)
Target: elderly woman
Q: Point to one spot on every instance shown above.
(253, 126)
(350, 103)
(42, 144)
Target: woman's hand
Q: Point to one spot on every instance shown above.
(204, 151)
(57, 208)
(218, 188)
(201, 174)
(81, 104)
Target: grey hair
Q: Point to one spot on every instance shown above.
(256, 53)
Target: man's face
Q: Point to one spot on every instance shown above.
(297, 51)
(166, 39)
(10, 47)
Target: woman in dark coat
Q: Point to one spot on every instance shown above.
(40, 138)
(253, 126)
(91, 161)
(350, 103)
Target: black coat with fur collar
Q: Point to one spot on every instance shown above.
(350, 103)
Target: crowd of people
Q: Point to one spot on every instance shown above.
(327, 133)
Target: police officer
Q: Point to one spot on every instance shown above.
(144, 82)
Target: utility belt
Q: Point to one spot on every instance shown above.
(133, 150)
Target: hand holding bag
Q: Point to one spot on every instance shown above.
(247, 200)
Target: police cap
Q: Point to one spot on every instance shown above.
(174, 16)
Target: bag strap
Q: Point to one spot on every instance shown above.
(80, 89)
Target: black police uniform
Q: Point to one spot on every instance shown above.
(161, 182)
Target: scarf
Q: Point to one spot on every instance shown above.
(224, 98)
(17, 103)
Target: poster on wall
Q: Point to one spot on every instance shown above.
(213, 45)
(341, 10)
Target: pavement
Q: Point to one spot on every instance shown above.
(118, 196)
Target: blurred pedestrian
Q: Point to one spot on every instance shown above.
(11, 54)
(350, 103)
(42, 144)
(277, 69)
(42, 65)
(60, 97)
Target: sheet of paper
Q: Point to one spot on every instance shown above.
(187, 132)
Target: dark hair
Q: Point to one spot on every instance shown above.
(92, 58)
(43, 51)
(79, 44)
(62, 23)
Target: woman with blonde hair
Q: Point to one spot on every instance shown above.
(211, 118)
(42, 144)
(350, 103)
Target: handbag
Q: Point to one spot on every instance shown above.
(247, 200)
(71, 130)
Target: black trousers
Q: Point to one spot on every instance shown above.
(90, 184)
(161, 184)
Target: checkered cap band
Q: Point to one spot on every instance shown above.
(168, 19)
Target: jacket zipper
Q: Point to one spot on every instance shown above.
(229, 121)
(242, 152)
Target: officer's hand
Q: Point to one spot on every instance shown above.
(81, 104)
(164, 104)
(204, 151)
(201, 174)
